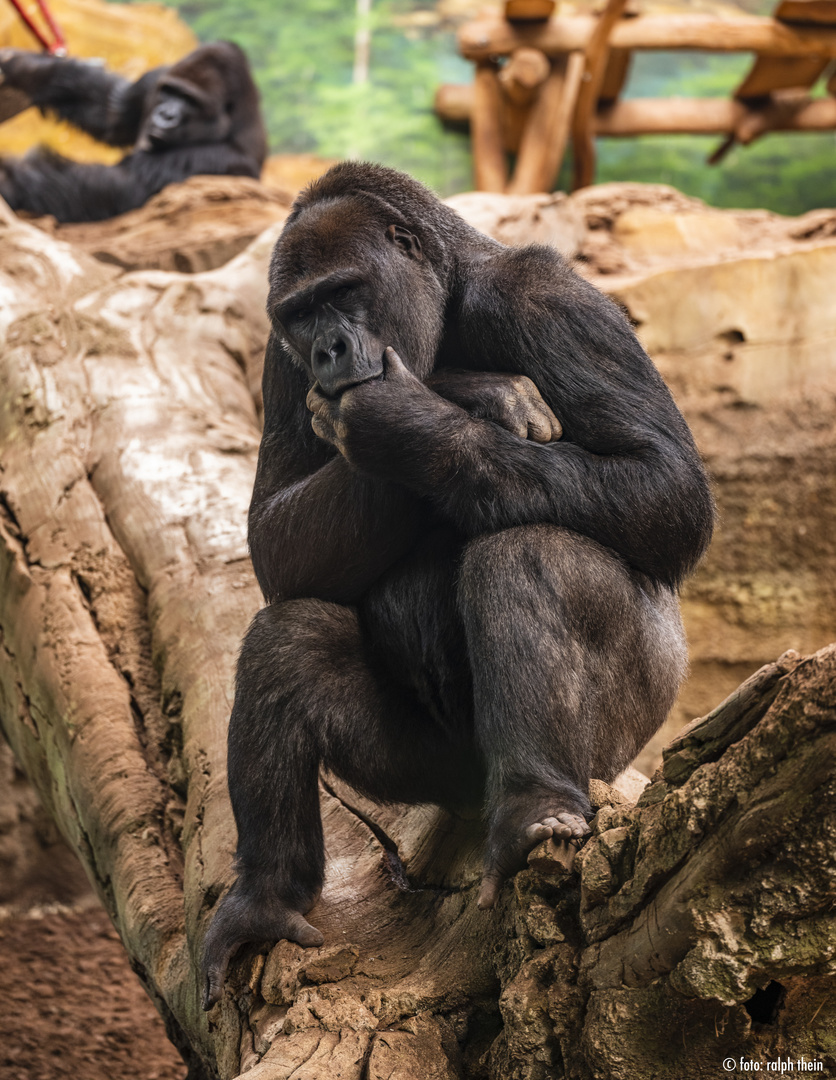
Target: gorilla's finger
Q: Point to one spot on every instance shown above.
(489, 890)
(301, 931)
(222, 942)
(539, 428)
(315, 400)
(323, 429)
(539, 831)
(549, 422)
(393, 367)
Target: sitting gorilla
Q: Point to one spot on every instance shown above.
(199, 116)
(474, 505)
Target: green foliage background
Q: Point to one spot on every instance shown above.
(302, 52)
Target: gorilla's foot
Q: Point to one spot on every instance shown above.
(510, 842)
(242, 919)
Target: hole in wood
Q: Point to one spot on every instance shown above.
(764, 1005)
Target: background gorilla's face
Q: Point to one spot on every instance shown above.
(183, 114)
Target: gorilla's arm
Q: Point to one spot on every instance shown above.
(626, 472)
(104, 105)
(317, 527)
(46, 183)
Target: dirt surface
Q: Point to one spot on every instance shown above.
(72, 1007)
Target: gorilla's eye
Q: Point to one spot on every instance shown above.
(342, 293)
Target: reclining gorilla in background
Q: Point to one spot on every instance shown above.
(470, 552)
(199, 116)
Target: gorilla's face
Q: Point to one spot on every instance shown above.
(183, 114)
(346, 283)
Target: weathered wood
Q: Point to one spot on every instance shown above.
(546, 133)
(595, 63)
(491, 36)
(490, 168)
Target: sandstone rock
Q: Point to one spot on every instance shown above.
(524, 219)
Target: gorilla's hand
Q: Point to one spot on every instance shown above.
(364, 418)
(512, 401)
(245, 916)
(23, 68)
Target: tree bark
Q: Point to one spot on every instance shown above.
(694, 926)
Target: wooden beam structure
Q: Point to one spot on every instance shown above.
(541, 76)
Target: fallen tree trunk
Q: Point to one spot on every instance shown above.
(695, 926)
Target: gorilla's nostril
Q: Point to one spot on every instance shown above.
(337, 349)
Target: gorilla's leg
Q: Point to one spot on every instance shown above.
(576, 661)
(308, 694)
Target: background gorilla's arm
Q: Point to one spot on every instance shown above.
(318, 527)
(46, 183)
(626, 473)
(88, 96)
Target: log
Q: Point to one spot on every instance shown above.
(128, 439)
(491, 36)
(666, 116)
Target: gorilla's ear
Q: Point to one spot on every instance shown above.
(408, 243)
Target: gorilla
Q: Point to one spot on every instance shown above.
(201, 115)
(474, 505)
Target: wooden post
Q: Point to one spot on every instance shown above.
(595, 57)
(489, 165)
(544, 137)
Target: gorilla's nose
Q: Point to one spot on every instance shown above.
(332, 359)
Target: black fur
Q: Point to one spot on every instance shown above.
(456, 613)
(199, 116)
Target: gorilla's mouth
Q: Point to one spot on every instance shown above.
(337, 389)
